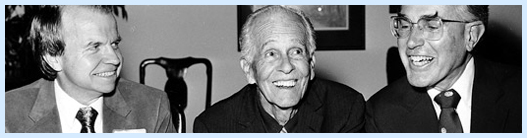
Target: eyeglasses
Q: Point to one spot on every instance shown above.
(432, 28)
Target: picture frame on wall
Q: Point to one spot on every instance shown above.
(337, 27)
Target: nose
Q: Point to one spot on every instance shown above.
(415, 38)
(286, 66)
(112, 55)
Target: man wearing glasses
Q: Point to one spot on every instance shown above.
(447, 89)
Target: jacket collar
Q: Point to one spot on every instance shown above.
(309, 114)
(116, 110)
(44, 113)
(419, 114)
(486, 111)
(45, 117)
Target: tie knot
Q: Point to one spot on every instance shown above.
(448, 99)
(87, 116)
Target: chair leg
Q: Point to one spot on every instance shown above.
(182, 123)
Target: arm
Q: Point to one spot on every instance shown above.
(355, 121)
(165, 123)
(199, 126)
(370, 126)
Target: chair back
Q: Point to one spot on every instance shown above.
(175, 86)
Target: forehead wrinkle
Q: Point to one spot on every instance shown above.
(268, 24)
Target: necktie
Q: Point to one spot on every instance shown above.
(448, 119)
(283, 130)
(86, 116)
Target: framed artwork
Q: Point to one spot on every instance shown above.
(337, 27)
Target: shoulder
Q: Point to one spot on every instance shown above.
(392, 94)
(492, 74)
(129, 88)
(334, 96)
(140, 96)
(25, 94)
(226, 115)
(231, 106)
(500, 72)
(20, 102)
(505, 78)
(331, 89)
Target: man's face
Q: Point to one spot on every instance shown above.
(282, 66)
(433, 63)
(92, 61)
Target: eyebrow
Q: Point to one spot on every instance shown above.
(119, 39)
(267, 42)
(294, 40)
(422, 16)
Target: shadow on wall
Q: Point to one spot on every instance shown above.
(394, 65)
(500, 44)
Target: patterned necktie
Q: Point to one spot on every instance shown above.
(87, 116)
(449, 120)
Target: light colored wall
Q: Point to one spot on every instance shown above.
(181, 31)
(211, 32)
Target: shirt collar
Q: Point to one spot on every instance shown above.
(68, 107)
(463, 84)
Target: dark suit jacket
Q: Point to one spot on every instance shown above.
(32, 109)
(496, 104)
(326, 107)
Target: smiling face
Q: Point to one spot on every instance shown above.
(434, 63)
(282, 65)
(91, 62)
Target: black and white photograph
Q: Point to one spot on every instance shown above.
(302, 68)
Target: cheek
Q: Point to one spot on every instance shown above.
(263, 71)
(402, 54)
(451, 50)
(302, 65)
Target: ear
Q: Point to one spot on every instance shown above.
(249, 74)
(473, 33)
(312, 66)
(53, 61)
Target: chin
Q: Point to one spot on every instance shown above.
(106, 89)
(288, 104)
(418, 81)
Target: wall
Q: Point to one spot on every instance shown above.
(211, 32)
(181, 31)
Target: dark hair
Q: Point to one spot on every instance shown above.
(46, 35)
(481, 12)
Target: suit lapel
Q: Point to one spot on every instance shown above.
(248, 120)
(44, 113)
(115, 111)
(420, 114)
(309, 115)
(487, 115)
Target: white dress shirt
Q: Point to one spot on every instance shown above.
(463, 86)
(68, 108)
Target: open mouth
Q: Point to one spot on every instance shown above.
(105, 74)
(285, 83)
(420, 60)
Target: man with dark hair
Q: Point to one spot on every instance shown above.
(446, 89)
(82, 92)
(278, 47)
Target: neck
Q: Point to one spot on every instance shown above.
(281, 115)
(82, 96)
(447, 82)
